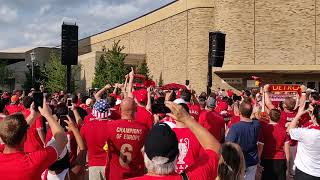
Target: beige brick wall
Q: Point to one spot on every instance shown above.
(175, 49)
(236, 19)
(285, 32)
(317, 18)
(154, 56)
(200, 22)
(259, 32)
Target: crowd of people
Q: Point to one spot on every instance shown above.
(123, 132)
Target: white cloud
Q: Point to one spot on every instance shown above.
(7, 14)
(40, 20)
(44, 9)
(110, 12)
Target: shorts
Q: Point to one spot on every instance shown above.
(97, 173)
(274, 169)
(304, 176)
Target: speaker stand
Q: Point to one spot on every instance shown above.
(68, 79)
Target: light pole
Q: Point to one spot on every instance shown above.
(31, 67)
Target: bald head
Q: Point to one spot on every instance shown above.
(128, 108)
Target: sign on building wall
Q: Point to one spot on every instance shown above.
(251, 84)
(231, 80)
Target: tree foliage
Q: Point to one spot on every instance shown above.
(39, 78)
(5, 74)
(143, 69)
(55, 74)
(110, 68)
(160, 83)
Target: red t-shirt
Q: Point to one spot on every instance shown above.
(213, 122)
(13, 108)
(27, 166)
(194, 110)
(144, 116)
(115, 114)
(33, 141)
(234, 119)
(88, 109)
(125, 141)
(189, 149)
(71, 145)
(94, 134)
(205, 168)
(286, 117)
(273, 137)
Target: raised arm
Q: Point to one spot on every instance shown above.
(77, 116)
(98, 95)
(294, 123)
(130, 85)
(148, 106)
(205, 138)
(124, 87)
(193, 97)
(81, 157)
(267, 99)
(33, 115)
(57, 131)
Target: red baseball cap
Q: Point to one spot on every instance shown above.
(141, 95)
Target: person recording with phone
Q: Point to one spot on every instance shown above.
(14, 162)
(307, 160)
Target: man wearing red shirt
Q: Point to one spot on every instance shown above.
(274, 148)
(188, 145)
(15, 164)
(213, 121)
(35, 134)
(143, 115)
(287, 115)
(194, 109)
(94, 135)
(125, 139)
(160, 156)
(14, 107)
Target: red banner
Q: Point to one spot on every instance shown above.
(284, 88)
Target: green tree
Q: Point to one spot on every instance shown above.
(5, 74)
(110, 68)
(39, 78)
(55, 74)
(143, 69)
(160, 83)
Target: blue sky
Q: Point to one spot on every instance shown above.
(38, 22)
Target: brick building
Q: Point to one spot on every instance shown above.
(276, 39)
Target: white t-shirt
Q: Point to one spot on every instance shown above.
(308, 151)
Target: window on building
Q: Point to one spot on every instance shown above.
(299, 82)
(288, 82)
(311, 85)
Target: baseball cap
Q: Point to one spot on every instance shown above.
(180, 101)
(211, 102)
(161, 141)
(101, 109)
(14, 98)
(141, 95)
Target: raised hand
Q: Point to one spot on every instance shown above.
(45, 110)
(178, 113)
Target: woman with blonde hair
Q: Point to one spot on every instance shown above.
(231, 164)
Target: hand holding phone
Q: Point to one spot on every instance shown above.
(160, 109)
(38, 100)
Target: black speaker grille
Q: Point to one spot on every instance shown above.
(69, 44)
(216, 48)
